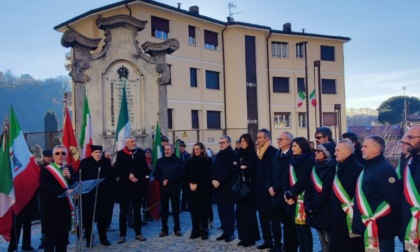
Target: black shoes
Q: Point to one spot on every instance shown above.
(222, 237)
(27, 248)
(265, 246)
(105, 242)
(205, 237)
(248, 244)
(230, 238)
(194, 236)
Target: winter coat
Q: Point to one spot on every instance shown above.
(318, 204)
(224, 166)
(172, 169)
(264, 165)
(277, 176)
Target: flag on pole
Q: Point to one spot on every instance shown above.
(123, 126)
(312, 97)
(25, 171)
(177, 150)
(86, 135)
(69, 140)
(154, 186)
(7, 193)
(301, 97)
(157, 147)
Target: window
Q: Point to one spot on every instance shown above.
(279, 49)
(160, 28)
(170, 112)
(281, 120)
(302, 120)
(280, 84)
(327, 53)
(193, 77)
(328, 86)
(329, 119)
(212, 80)
(191, 35)
(210, 40)
(300, 50)
(301, 84)
(194, 119)
(213, 120)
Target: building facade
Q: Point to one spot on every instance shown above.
(229, 77)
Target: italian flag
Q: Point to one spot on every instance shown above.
(21, 165)
(312, 97)
(7, 193)
(301, 97)
(154, 186)
(86, 135)
(123, 126)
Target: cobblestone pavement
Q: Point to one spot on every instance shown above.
(155, 243)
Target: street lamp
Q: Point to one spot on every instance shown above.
(317, 64)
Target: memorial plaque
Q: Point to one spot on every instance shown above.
(117, 77)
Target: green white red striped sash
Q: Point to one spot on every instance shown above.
(316, 180)
(346, 202)
(371, 238)
(412, 232)
(300, 215)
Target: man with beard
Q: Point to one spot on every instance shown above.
(97, 167)
(411, 198)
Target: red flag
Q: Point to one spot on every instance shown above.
(69, 140)
(154, 199)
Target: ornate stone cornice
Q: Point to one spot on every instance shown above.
(166, 47)
(81, 53)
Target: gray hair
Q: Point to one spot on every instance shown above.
(347, 144)
(266, 133)
(226, 137)
(128, 138)
(60, 147)
(289, 135)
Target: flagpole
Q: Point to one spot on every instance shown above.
(306, 89)
(316, 121)
(317, 64)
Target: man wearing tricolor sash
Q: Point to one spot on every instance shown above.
(404, 157)
(57, 211)
(410, 208)
(378, 199)
(342, 199)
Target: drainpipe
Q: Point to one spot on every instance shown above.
(268, 81)
(224, 79)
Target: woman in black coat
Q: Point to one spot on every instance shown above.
(318, 194)
(198, 176)
(298, 177)
(104, 204)
(246, 216)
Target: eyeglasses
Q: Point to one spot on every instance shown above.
(222, 142)
(318, 137)
(62, 153)
(281, 139)
(412, 137)
(317, 151)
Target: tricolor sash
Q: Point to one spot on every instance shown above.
(316, 180)
(300, 215)
(398, 169)
(412, 234)
(58, 175)
(371, 238)
(346, 202)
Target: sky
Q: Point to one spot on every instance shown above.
(382, 57)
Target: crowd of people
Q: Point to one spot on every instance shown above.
(348, 192)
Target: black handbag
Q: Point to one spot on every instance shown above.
(241, 188)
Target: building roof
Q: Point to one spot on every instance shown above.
(195, 15)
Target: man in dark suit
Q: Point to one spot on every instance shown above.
(56, 211)
(226, 162)
(92, 168)
(269, 218)
(133, 173)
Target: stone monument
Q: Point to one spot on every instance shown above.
(101, 76)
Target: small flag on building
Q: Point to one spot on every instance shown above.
(312, 97)
(301, 97)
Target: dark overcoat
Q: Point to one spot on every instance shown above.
(262, 197)
(225, 164)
